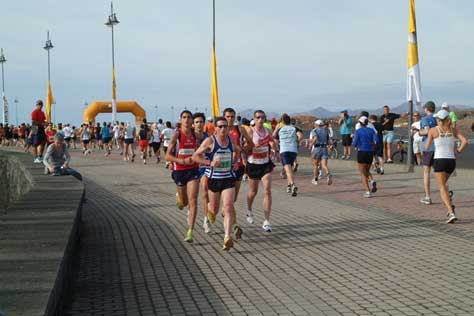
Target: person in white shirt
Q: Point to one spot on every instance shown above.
(68, 133)
(129, 137)
(166, 137)
(116, 133)
(417, 139)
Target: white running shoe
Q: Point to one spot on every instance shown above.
(367, 194)
(37, 160)
(250, 217)
(426, 200)
(267, 227)
(314, 181)
(206, 225)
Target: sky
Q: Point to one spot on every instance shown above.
(277, 55)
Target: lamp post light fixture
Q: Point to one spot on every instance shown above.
(4, 100)
(16, 111)
(111, 21)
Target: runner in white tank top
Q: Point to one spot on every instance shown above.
(446, 150)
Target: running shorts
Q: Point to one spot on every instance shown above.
(257, 172)
(156, 146)
(444, 165)
(143, 143)
(128, 141)
(365, 157)
(40, 137)
(182, 177)
(346, 140)
(67, 139)
(106, 140)
(98, 137)
(219, 185)
(85, 141)
(388, 137)
(239, 173)
(428, 158)
(288, 158)
(417, 146)
(320, 153)
(202, 171)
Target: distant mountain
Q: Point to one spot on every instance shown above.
(319, 112)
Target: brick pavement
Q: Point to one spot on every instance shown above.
(331, 253)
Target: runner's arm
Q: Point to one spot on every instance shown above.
(198, 155)
(462, 139)
(171, 148)
(431, 133)
(247, 137)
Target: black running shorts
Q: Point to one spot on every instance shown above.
(444, 165)
(365, 157)
(257, 172)
(219, 185)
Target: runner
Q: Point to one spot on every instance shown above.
(223, 159)
(166, 136)
(345, 123)
(143, 137)
(198, 121)
(37, 131)
(68, 134)
(106, 137)
(117, 140)
(365, 140)
(417, 139)
(260, 168)
(98, 136)
(444, 137)
(22, 134)
(155, 141)
(129, 135)
(288, 137)
(50, 132)
(185, 171)
(319, 151)
(238, 135)
(427, 156)
(85, 136)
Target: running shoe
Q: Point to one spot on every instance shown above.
(267, 227)
(245, 177)
(367, 194)
(382, 171)
(451, 218)
(179, 204)
(343, 157)
(228, 243)
(189, 236)
(378, 170)
(144, 161)
(238, 232)
(426, 200)
(37, 160)
(211, 217)
(288, 188)
(167, 165)
(374, 186)
(294, 190)
(314, 181)
(320, 174)
(329, 179)
(206, 225)
(348, 157)
(250, 217)
(389, 161)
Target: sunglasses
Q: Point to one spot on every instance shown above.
(222, 126)
(259, 117)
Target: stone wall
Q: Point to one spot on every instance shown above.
(14, 180)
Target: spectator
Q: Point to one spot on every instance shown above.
(38, 135)
(57, 158)
(388, 119)
(417, 139)
(346, 123)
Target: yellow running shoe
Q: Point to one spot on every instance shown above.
(228, 243)
(179, 204)
(211, 217)
(189, 236)
(237, 231)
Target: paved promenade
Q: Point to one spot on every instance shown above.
(332, 251)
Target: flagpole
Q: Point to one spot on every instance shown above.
(49, 103)
(410, 166)
(111, 21)
(5, 106)
(214, 33)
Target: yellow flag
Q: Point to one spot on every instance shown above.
(114, 85)
(49, 102)
(214, 92)
(413, 82)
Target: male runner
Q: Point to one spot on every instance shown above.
(185, 173)
(260, 168)
(222, 161)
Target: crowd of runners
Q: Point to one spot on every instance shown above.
(216, 155)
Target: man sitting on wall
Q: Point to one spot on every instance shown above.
(57, 159)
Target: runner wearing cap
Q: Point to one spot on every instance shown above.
(427, 122)
(38, 119)
(444, 137)
(452, 115)
(319, 142)
(365, 140)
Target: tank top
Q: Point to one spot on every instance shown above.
(98, 129)
(105, 132)
(444, 145)
(155, 137)
(260, 154)
(185, 148)
(235, 134)
(288, 139)
(129, 132)
(50, 133)
(224, 170)
(85, 134)
(142, 134)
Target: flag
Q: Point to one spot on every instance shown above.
(114, 96)
(49, 102)
(413, 79)
(214, 92)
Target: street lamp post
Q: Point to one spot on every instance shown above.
(172, 113)
(48, 46)
(5, 104)
(16, 111)
(156, 113)
(111, 21)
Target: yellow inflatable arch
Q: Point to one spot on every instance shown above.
(106, 107)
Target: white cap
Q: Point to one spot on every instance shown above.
(252, 122)
(363, 119)
(445, 105)
(319, 122)
(442, 114)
